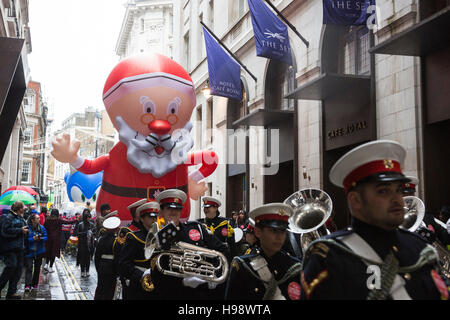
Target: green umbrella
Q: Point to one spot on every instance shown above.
(16, 195)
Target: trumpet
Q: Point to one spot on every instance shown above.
(183, 259)
(312, 208)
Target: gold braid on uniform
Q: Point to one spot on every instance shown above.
(272, 283)
(121, 239)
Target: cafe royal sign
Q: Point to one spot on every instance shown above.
(348, 129)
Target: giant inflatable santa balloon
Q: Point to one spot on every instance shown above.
(149, 99)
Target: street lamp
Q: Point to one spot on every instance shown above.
(206, 90)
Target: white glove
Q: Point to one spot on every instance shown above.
(212, 285)
(193, 282)
(147, 272)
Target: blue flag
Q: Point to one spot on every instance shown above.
(347, 12)
(224, 72)
(271, 34)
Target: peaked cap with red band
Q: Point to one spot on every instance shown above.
(173, 198)
(374, 161)
(411, 185)
(152, 208)
(211, 202)
(275, 215)
(142, 71)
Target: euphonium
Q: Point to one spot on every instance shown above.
(312, 208)
(185, 260)
(414, 214)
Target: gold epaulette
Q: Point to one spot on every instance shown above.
(121, 240)
(320, 249)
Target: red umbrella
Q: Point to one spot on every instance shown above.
(23, 188)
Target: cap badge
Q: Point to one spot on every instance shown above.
(388, 164)
(176, 200)
(282, 212)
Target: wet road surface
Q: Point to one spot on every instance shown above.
(65, 283)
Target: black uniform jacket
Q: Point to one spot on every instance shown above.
(245, 285)
(218, 226)
(121, 237)
(172, 288)
(331, 273)
(104, 255)
(221, 228)
(132, 263)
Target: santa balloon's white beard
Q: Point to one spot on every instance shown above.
(143, 156)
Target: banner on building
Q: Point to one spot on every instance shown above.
(348, 12)
(224, 72)
(271, 34)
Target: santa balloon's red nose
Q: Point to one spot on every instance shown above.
(159, 127)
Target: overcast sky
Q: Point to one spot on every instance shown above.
(73, 51)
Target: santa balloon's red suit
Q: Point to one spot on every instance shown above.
(149, 99)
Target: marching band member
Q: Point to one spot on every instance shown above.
(169, 287)
(134, 225)
(372, 259)
(104, 260)
(269, 273)
(218, 226)
(132, 261)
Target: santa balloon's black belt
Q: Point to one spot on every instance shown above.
(131, 192)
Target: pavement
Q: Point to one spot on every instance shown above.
(65, 283)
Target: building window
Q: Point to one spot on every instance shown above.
(199, 127)
(29, 102)
(236, 10)
(171, 24)
(279, 82)
(28, 136)
(201, 42)
(187, 52)
(430, 7)
(26, 172)
(211, 14)
(210, 124)
(354, 55)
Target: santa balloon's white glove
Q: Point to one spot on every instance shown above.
(192, 282)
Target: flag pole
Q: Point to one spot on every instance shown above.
(288, 23)
(231, 53)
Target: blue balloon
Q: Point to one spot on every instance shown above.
(83, 187)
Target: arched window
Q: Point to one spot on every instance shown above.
(354, 57)
(280, 81)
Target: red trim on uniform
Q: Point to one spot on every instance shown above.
(369, 169)
(171, 200)
(151, 210)
(211, 203)
(271, 216)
